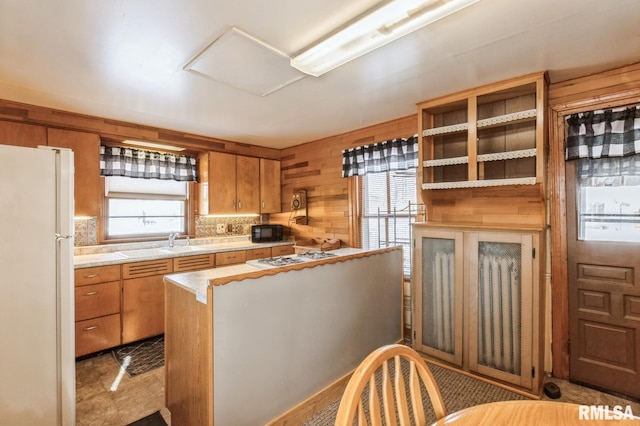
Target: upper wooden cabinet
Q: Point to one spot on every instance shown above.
(238, 184)
(86, 150)
(270, 190)
(489, 136)
(22, 134)
(220, 186)
(247, 184)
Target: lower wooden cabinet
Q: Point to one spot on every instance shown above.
(193, 263)
(231, 257)
(97, 308)
(143, 308)
(97, 334)
(143, 298)
(260, 253)
(479, 301)
(97, 300)
(282, 250)
(120, 304)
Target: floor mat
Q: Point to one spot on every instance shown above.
(154, 419)
(142, 356)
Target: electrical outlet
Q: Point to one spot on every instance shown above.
(220, 228)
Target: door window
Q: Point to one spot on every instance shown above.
(608, 202)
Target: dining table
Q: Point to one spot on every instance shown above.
(541, 413)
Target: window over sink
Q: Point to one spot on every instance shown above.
(144, 207)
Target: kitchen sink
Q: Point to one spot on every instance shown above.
(158, 251)
(181, 249)
(144, 252)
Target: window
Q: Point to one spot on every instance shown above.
(609, 208)
(606, 145)
(388, 209)
(144, 207)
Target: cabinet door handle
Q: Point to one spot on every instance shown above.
(90, 276)
(93, 327)
(91, 293)
(263, 204)
(239, 204)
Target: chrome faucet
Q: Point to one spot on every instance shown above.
(172, 238)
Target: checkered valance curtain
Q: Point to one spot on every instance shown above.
(137, 163)
(394, 154)
(611, 137)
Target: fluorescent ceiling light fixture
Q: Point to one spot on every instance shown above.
(381, 25)
(153, 145)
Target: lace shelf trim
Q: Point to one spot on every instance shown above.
(508, 155)
(455, 128)
(485, 122)
(479, 183)
(445, 162)
(500, 119)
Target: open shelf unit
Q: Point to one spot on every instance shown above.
(488, 136)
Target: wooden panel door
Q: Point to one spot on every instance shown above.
(22, 134)
(270, 189)
(142, 308)
(248, 184)
(86, 150)
(604, 305)
(222, 183)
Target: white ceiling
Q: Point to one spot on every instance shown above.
(124, 59)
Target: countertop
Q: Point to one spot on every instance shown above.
(85, 258)
(197, 282)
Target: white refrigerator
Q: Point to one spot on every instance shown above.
(37, 357)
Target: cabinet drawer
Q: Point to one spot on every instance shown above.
(282, 250)
(260, 253)
(230, 258)
(147, 268)
(97, 334)
(96, 274)
(193, 263)
(97, 300)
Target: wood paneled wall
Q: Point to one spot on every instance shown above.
(515, 206)
(317, 168)
(120, 130)
(612, 88)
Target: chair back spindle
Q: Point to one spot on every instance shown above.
(390, 393)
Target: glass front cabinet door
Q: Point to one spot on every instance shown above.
(438, 288)
(477, 302)
(501, 306)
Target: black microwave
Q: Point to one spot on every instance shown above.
(266, 233)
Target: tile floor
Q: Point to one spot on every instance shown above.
(135, 397)
(107, 397)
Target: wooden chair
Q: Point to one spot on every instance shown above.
(394, 398)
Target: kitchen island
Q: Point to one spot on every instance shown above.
(253, 345)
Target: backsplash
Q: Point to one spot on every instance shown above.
(85, 231)
(86, 228)
(208, 226)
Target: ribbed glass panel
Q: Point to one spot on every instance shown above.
(438, 279)
(499, 301)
